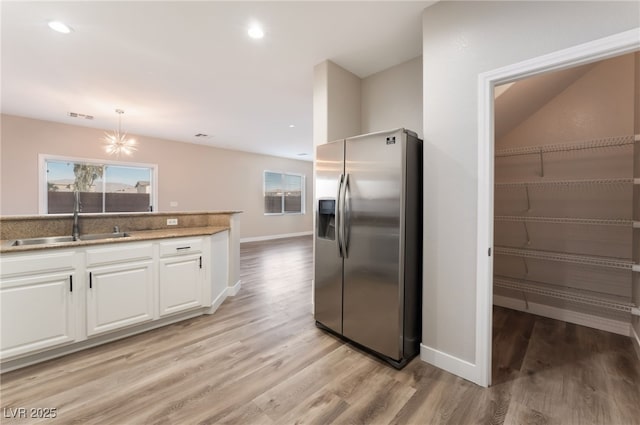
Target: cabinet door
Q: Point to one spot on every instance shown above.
(180, 284)
(37, 313)
(119, 296)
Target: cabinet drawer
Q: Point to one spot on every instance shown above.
(16, 265)
(181, 247)
(119, 253)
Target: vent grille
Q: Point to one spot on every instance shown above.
(202, 135)
(77, 115)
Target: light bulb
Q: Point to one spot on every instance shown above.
(255, 32)
(59, 27)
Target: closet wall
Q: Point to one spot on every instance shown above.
(564, 195)
(635, 320)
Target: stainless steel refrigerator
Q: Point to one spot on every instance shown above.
(368, 241)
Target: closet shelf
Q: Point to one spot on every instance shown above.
(566, 258)
(566, 182)
(589, 144)
(561, 220)
(564, 293)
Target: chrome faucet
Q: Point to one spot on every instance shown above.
(76, 210)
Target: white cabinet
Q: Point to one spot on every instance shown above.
(54, 301)
(38, 295)
(181, 275)
(120, 292)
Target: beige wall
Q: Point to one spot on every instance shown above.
(635, 290)
(597, 105)
(196, 176)
(346, 105)
(320, 104)
(460, 41)
(336, 103)
(393, 98)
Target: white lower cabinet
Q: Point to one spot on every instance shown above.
(53, 299)
(119, 296)
(181, 275)
(38, 302)
(180, 285)
(119, 291)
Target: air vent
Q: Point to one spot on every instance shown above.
(77, 115)
(202, 135)
(303, 154)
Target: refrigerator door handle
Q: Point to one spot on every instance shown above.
(346, 221)
(339, 216)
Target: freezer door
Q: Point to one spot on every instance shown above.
(372, 307)
(328, 248)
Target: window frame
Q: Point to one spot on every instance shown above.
(303, 193)
(43, 206)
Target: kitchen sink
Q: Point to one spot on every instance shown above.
(62, 239)
(98, 236)
(41, 241)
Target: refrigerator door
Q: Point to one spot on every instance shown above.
(328, 237)
(373, 219)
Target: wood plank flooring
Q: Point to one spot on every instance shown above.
(260, 360)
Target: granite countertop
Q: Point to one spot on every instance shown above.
(134, 236)
(116, 215)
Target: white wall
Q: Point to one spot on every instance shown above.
(460, 41)
(197, 177)
(393, 98)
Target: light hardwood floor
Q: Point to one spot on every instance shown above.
(260, 360)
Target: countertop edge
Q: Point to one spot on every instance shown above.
(134, 236)
(112, 215)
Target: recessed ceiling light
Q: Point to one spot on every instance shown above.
(255, 31)
(59, 27)
(291, 125)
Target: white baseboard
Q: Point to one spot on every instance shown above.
(636, 340)
(270, 237)
(217, 302)
(584, 319)
(451, 364)
(233, 290)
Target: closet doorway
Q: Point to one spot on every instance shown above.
(563, 216)
(563, 220)
(524, 284)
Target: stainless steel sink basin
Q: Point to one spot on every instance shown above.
(98, 236)
(62, 239)
(41, 241)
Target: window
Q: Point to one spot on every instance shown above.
(104, 186)
(283, 193)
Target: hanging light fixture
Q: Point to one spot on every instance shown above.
(117, 142)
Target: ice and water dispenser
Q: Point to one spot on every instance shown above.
(327, 219)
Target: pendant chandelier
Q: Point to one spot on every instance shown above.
(117, 142)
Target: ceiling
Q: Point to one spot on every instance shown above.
(517, 101)
(182, 68)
